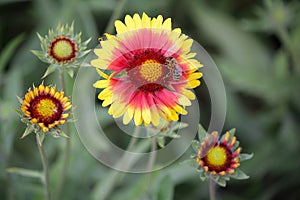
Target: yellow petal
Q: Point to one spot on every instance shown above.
(107, 102)
(183, 100)
(167, 24)
(128, 115)
(146, 115)
(138, 117)
(129, 22)
(120, 27)
(154, 116)
(189, 94)
(194, 83)
(101, 84)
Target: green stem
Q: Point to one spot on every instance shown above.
(105, 187)
(212, 189)
(150, 164)
(45, 178)
(285, 39)
(67, 146)
(116, 14)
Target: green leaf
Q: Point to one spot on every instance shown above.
(161, 141)
(70, 72)
(40, 55)
(190, 162)
(166, 189)
(239, 174)
(232, 132)
(203, 176)
(201, 132)
(9, 50)
(221, 182)
(49, 70)
(245, 156)
(24, 172)
(195, 145)
(27, 131)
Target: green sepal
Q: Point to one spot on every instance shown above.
(49, 70)
(190, 162)
(232, 132)
(239, 174)
(27, 131)
(40, 55)
(70, 71)
(245, 156)
(195, 145)
(201, 132)
(24, 172)
(203, 176)
(221, 181)
(161, 141)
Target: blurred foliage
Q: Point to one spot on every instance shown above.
(256, 45)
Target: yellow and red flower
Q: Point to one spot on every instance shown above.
(45, 107)
(218, 159)
(150, 70)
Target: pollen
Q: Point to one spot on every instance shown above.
(217, 156)
(151, 70)
(46, 108)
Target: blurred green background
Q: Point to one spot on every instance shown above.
(256, 46)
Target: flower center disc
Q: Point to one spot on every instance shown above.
(151, 70)
(217, 156)
(63, 49)
(45, 109)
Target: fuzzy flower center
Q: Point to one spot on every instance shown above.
(46, 109)
(62, 49)
(217, 156)
(151, 70)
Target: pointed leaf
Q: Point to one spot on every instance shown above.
(40, 55)
(70, 72)
(161, 141)
(203, 176)
(27, 131)
(239, 174)
(195, 145)
(63, 134)
(221, 182)
(24, 172)
(190, 162)
(245, 156)
(49, 70)
(201, 132)
(232, 132)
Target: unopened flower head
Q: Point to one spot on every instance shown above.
(148, 71)
(219, 158)
(62, 48)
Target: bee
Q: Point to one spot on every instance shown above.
(174, 69)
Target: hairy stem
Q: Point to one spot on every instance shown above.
(212, 189)
(45, 178)
(67, 146)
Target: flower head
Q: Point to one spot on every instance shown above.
(44, 108)
(62, 48)
(219, 159)
(149, 71)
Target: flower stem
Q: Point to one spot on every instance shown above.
(45, 178)
(67, 147)
(212, 189)
(116, 14)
